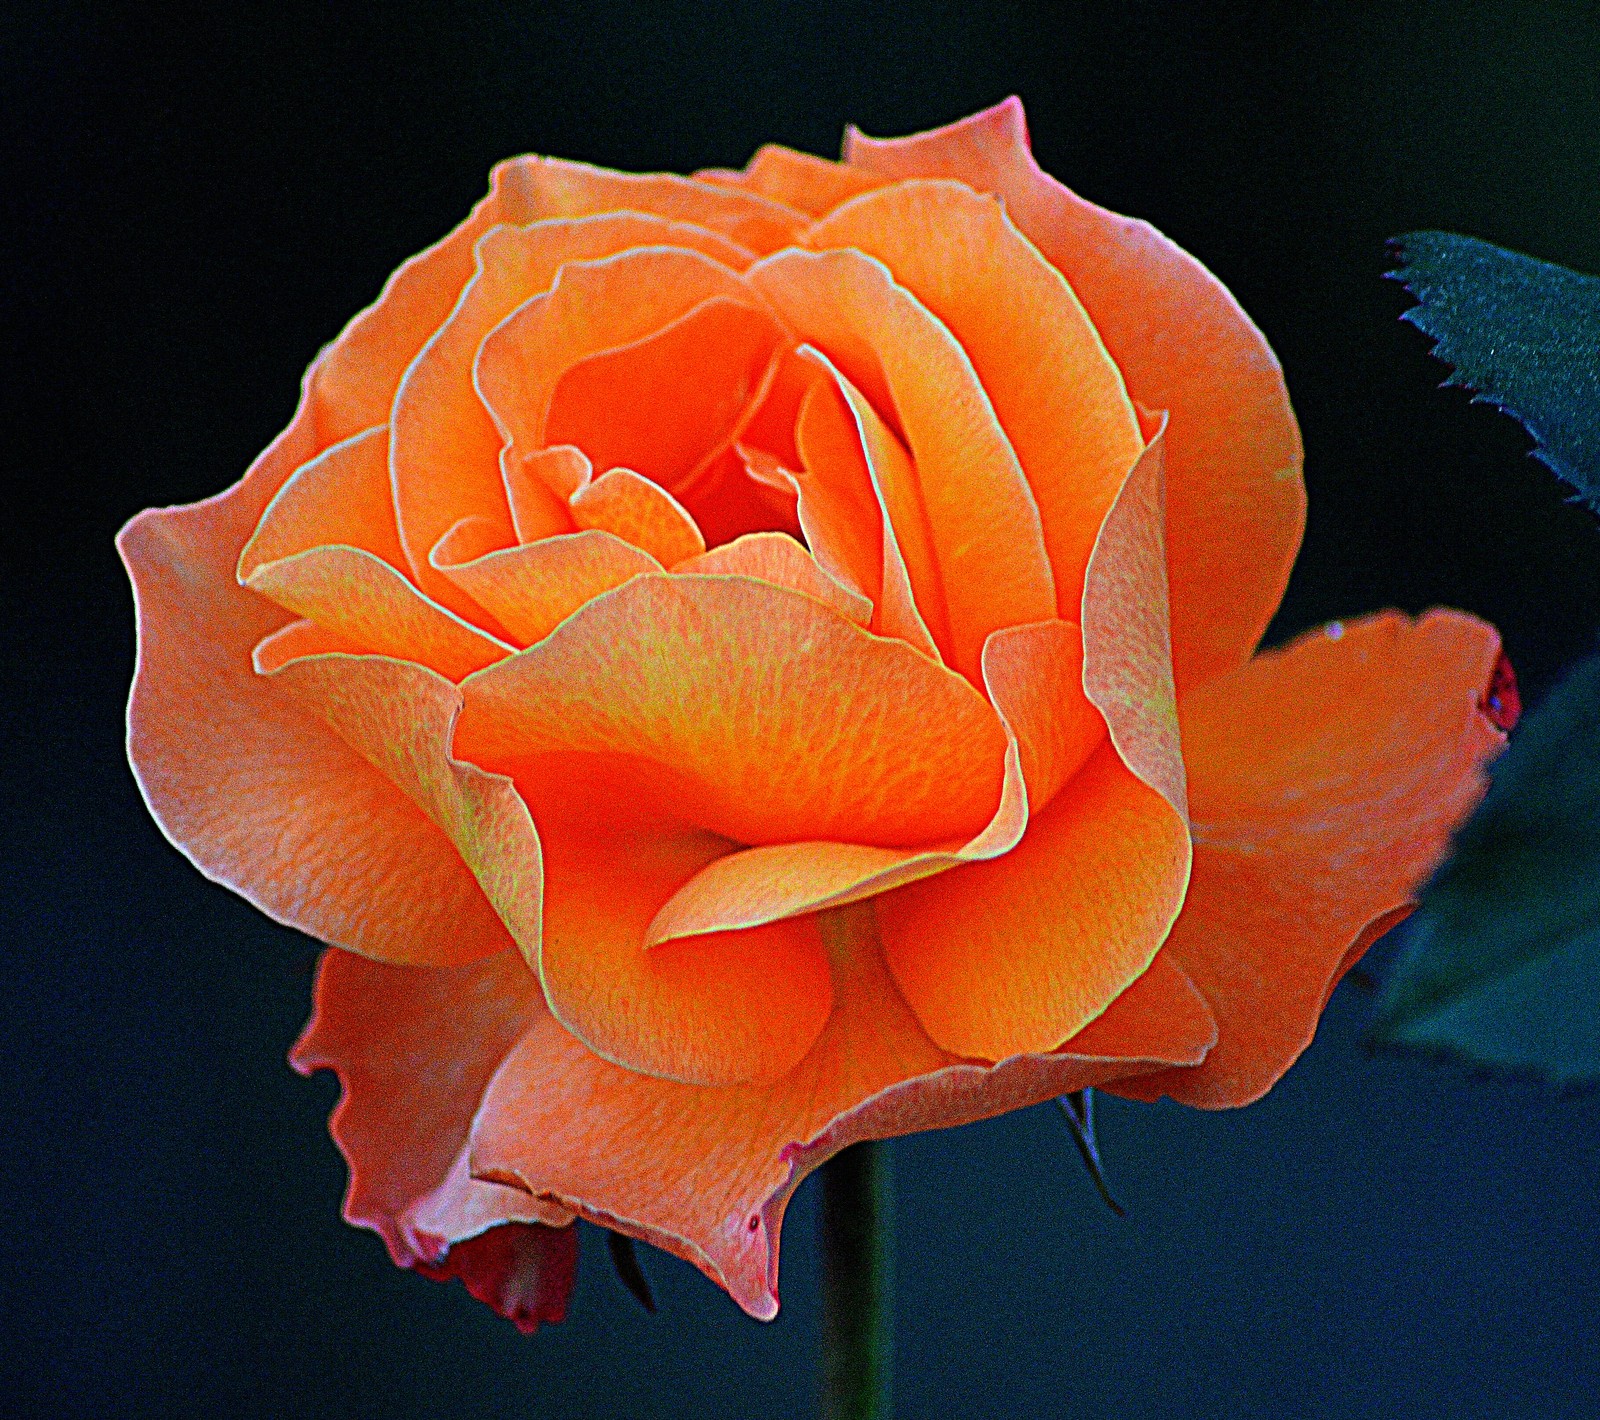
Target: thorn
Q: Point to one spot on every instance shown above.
(1078, 1110)
(626, 1261)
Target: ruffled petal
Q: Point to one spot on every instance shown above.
(1055, 390)
(340, 498)
(398, 717)
(1054, 720)
(1236, 506)
(981, 521)
(524, 1271)
(799, 180)
(760, 714)
(444, 447)
(777, 558)
(532, 589)
(367, 603)
(352, 384)
(555, 187)
(414, 1048)
(1019, 952)
(1033, 674)
(640, 513)
(716, 1010)
(849, 463)
(706, 1173)
(252, 788)
(538, 485)
(1326, 780)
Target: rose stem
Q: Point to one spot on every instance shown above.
(857, 1284)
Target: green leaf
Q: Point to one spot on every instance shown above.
(1502, 964)
(1524, 334)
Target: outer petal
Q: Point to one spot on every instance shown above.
(352, 384)
(799, 180)
(250, 786)
(1327, 778)
(524, 1271)
(1055, 390)
(555, 187)
(706, 1173)
(414, 1048)
(342, 497)
(719, 1009)
(982, 524)
(1236, 506)
(399, 717)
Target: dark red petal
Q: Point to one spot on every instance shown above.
(525, 1271)
(1502, 702)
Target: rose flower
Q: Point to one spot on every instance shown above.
(742, 664)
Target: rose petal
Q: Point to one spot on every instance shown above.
(720, 1009)
(613, 306)
(847, 461)
(667, 403)
(640, 513)
(982, 524)
(1053, 723)
(1326, 779)
(558, 188)
(399, 717)
(414, 1048)
(799, 180)
(538, 484)
(300, 638)
(532, 589)
(1015, 953)
(250, 787)
(770, 717)
(706, 1173)
(1018, 953)
(1127, 646)
(353, 381)
(444, 447)
(368, 603)
(1236, 505)
(1055, 390)
(777, 558)
(341, 497)
(1034, 678)
(524, 1271)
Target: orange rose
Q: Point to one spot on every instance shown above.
(747, 663)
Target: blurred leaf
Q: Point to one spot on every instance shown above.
(1502, 965)
(1523, 334)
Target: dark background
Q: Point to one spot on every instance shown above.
(195, 206)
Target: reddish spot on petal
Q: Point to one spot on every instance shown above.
(1502, 702)
(525, 1271)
